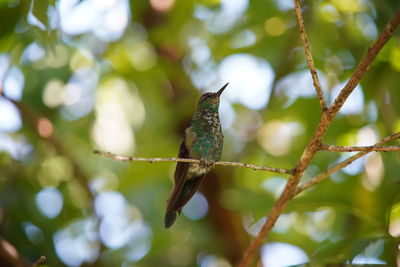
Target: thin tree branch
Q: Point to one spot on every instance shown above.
(39, 261)
(343, 164)
(221, 163)
(309, 57)
(315, 142)
(359, 148)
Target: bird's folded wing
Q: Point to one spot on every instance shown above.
(180, 174)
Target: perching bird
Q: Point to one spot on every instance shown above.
(203, 140)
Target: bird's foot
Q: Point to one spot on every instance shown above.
(206, 162)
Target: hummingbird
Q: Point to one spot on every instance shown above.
(203, 140)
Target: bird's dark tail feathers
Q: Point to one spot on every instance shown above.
(183, 195)
(170, 218)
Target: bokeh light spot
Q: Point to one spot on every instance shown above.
(106, 19)
(316, 224)
(274, 185)
(54, 170)
(367, 260)
(78, 94)
(355, 167)
(34, 234)
(374, 168)
(16, 145)
(142, 56)
(213, 261)
(115, 231)
(395, 57)
(53, 93)
(56, 58)
(109, 203)
(81, 59)
(50, 202)
(371, 254)
(350, 6)
(288, 86)
(366, 136)
(277, 254)
(107, 181)
(274, 26)
(284, 222)
(162, 5)
(367, 25)
(197, 207)
(140, 241)
(77, 243)
(276, 137)
(118, 108)
(4, 65)
(32, 53)
(116, 20)
(251, 225)
(329, 13)
(250, 79)
(354, 103)
(394, 224)
(72, 94)
(45, 127)
(14, 84)
(243, 39)
(10, 120)
(121, 225)
(284, 5)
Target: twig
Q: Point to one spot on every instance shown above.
(315, 142)
(343, 164)
(221, 163)
(39, 261)
(309, 57)
(358, 148)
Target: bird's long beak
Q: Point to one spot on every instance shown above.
(222, 89)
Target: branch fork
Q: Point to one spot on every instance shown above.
(328, 114)
(316, 141)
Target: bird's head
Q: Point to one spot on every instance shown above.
(211, 100)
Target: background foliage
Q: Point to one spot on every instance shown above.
(125, 77)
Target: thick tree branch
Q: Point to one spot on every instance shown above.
(344, 163)
(316, 139)
(359, 148)
(309, 57)
(221, 163)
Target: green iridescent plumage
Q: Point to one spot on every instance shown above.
(203, 140)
